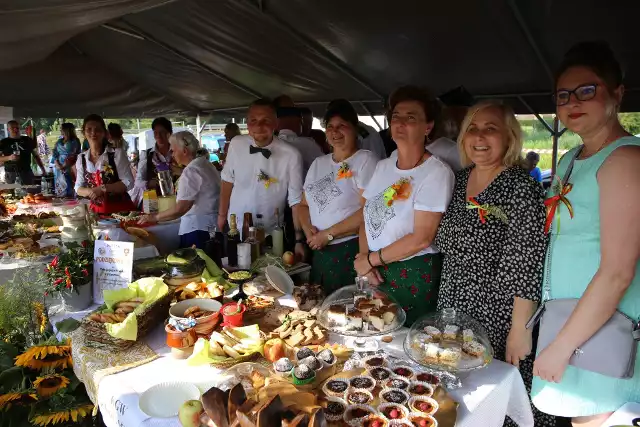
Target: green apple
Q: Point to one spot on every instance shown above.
(189, 413)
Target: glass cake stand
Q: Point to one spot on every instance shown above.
(359, 313)
(449, 340)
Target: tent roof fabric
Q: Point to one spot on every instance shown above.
(151, 57)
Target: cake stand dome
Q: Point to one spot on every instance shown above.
(449, 340)
(361, 311)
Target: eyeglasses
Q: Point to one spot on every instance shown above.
(582, 93)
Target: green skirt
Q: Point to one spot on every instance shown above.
(414, 283)
(332, 267)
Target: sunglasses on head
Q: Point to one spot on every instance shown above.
(582, 93)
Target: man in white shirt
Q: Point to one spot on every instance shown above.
(289, 127)
(261, 173)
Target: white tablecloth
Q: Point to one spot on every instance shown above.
(485, 398)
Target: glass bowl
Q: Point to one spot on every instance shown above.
(449, 340)
(360, 311)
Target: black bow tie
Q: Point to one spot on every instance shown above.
(265, 152)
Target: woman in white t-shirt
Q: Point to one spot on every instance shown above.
(198, 192)
(331, 207)
(404, 202)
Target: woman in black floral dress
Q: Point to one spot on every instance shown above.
(492, 238)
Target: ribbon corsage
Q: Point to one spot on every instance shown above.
(553, 202)
(344, 171)
(107, 169)
(401, 190)
(266, 179)
(487, 210)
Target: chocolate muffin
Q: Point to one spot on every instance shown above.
(362, 383)
(394, 396)
(380, 374)
(311, 362)
(337, 386)
(327, 356)
(304, 352)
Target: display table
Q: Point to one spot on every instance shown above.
(486, 397)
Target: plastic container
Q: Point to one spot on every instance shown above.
(234, 320)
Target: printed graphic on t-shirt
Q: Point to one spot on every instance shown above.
(323, 191)
(377, 214)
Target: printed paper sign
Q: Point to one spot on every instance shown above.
(112, 266)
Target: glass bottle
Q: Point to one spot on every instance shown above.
(213, 247)
(260, 233)
(247, 222)
(233, 238)
(277, 236)
(255, 244)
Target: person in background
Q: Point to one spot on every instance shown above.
(65, 154)
(593, 253)
(16, 152)
(261, 173)
(316, 134)
(134, 163)
(494, 253)
(147, 176)
(231, 130)
(43, 147)
(289, 128)
(115, 137)
(104, 175)
(198, 192)
(331, 211)
(368, 137)
(283, 101)
(389, 145)
(531, 163)
(404, 202)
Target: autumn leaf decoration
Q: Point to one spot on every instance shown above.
(487, 210)
(401, 190)
(344, 171)
(266, 179)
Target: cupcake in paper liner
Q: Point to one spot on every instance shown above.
(376, 420)
(327, 358)
(393, 411)
(400, 423)
(355, 396)
(375, 361)
(355, 414)
(283, 367)
(302, 375)
(304, 352)
(363, 382)
(419, 388)
(418, 419)
(394, 395)
(423, 405)
(336, 387)
(335, 409)
(381, 374)
(428, 378)
(397, 382)
(404, 371)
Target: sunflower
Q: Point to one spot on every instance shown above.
(62, 416)
(46, 355)
(6, 400)
(47, 385)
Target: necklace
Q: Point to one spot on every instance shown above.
(417, 163)
(604, 143)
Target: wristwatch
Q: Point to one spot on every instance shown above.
(330, 237)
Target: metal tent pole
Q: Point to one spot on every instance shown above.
(554, 153)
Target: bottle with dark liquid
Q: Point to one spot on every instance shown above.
(214, 246)
(247, 222)
(233, 238)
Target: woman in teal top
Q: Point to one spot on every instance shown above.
(594, 255)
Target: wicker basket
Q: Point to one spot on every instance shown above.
(153, 315)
